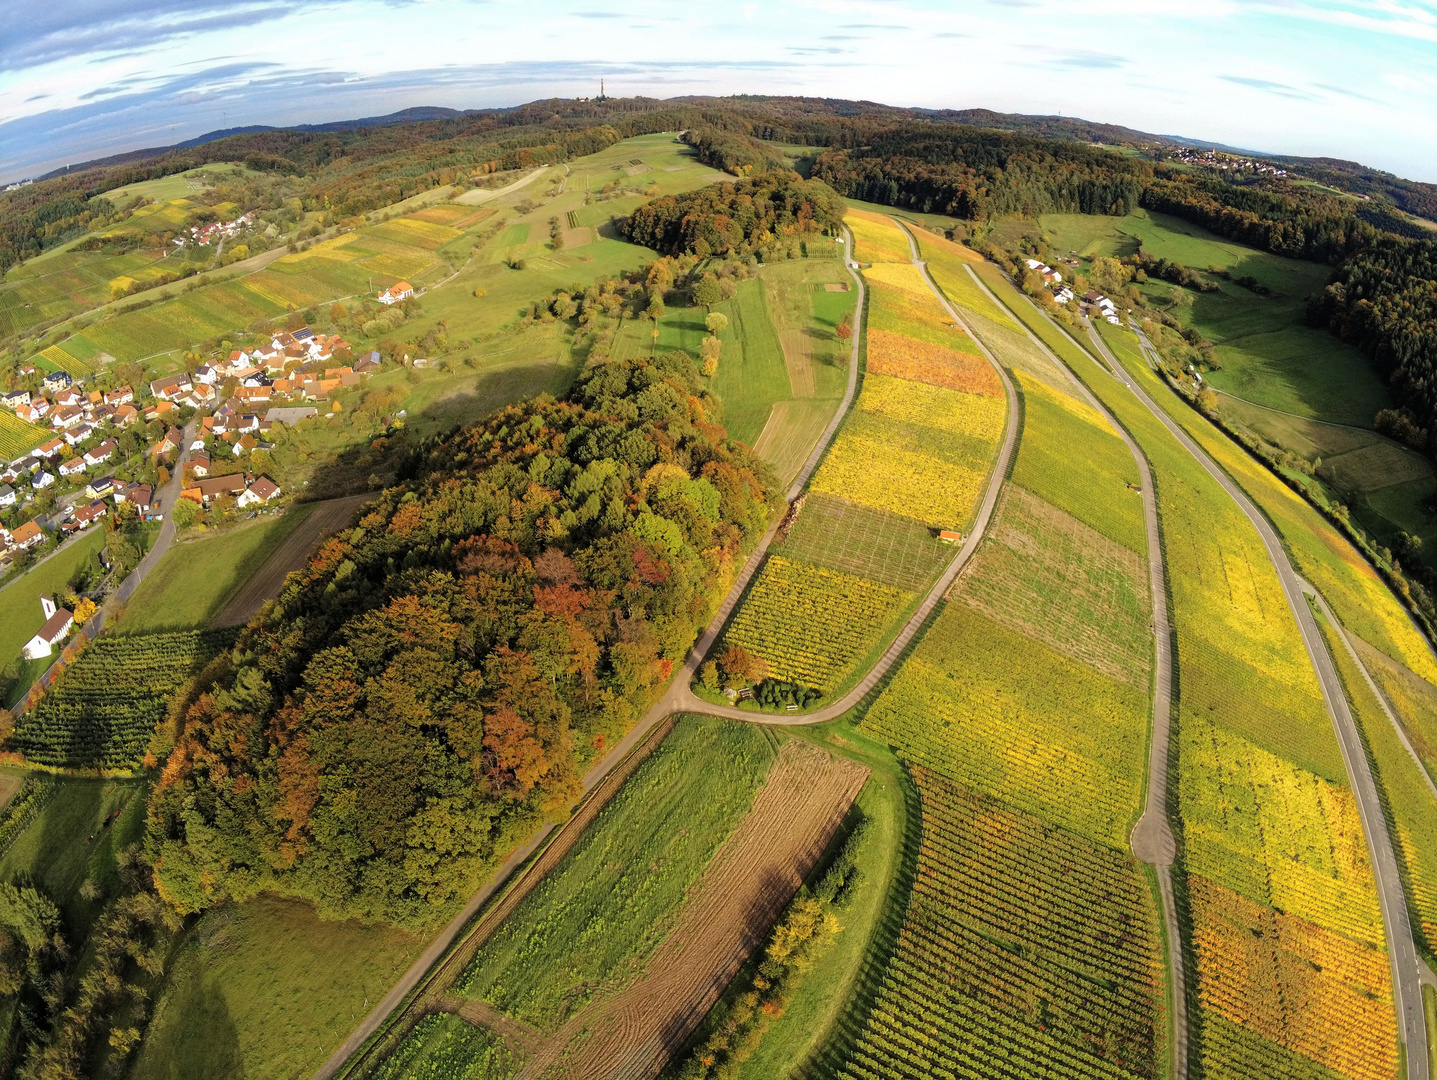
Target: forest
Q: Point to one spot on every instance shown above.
(734, 219)
(436, 681)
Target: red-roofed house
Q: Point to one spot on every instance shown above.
(400, 290)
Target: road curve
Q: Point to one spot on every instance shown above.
(1401, 951)
(685, 700)
(1152, 840)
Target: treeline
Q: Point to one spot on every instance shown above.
(435, 681)
(1384, 301)
(737, 218)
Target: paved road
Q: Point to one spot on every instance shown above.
(1402, 952)
(1152, 839)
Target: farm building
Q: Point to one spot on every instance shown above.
(400, 290)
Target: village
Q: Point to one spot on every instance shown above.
(1092, 304)
(1216, 159)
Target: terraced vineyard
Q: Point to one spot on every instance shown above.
(18, 436)
(1022, 716)
(913, 458)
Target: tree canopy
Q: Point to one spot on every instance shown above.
(433, 683)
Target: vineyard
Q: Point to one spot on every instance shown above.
(786, 604)
(1013, 927)
(63, 361)
(18, 437)
(912, 459)
(876, 239)
(103, 710)
(1281, 899)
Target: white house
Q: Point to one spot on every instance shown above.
(7, 495)
(400, 290)
(57, 624)
(74, 467)
(261, 491)
(42, 480)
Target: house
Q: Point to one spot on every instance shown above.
(125, 415)
(290, 417)
(261, 491)
(302, 335)
(364, 365)
(207, 375)
(97, 455)
(68, 397)
(98, 489)
(56, 381)
(252, 393)
(197, 443)
(27, 535)
(75, 436)
(15, 398)
(168, 444)
(46, 450)
(211, 487)
(400, 290)
(171, 387)
(66, 417)
(244, 444)
(120, 396)
(57, 624)
(7, 495)
(199, 463)
(84, 516)
(41, 480)
(34, 412)
(142, 495)
(74, 467)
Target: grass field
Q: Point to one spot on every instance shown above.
(195, 579)
(588, 928)
(20, 614)
(266, 988)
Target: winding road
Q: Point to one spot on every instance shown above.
(1402, 952)
(1152, 840)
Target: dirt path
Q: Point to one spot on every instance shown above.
(1401, 951)
(522, 1039)
(479, 196)
(293, 551)
(751, 879)
(1152, 839)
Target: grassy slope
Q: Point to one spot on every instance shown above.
(20, 614)
(195, 579)
(267, 989)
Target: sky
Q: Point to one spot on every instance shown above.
(81, 79)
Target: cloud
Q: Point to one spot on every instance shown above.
(806, 50)
(59, 31)
(1091, 61)
(1269, 87)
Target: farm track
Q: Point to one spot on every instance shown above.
(631, 1035)
(1401, 950)
(266, 582)
(1152, 839)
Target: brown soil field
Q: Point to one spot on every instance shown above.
(836, 286)
(472, 219)
(325, 519)
(8, 786)
(631, 1035)
(522, 1039)
(577, 238)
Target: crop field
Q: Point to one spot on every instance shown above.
(1411, 697)
(887, 548)
(1042, 572)
(1358, 596)
(1407, 792)
(948, 263)
(1072, 458)
(1029, 726)
(19, 436)
(105, 706)
(1010, 925)
(781, 614)
(1270, 833)
(749, 881)
(444, 1047)
(57, 358)
(591, 925)
(900, 302)
(876, 239)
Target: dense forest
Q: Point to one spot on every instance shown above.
(733, 219)
(435, 682)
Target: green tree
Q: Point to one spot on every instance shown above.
(707, 292)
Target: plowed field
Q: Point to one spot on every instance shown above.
(755, 873)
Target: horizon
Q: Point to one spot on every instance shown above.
(1311, 78)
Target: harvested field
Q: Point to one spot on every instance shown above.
(836, 286)
(472, 219)
(1380, 465)
(756, 873)
(577, 237)
(267, 581)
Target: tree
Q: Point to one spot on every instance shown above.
(717, 322)
(844, 329)
(185, 512)
(707, 292)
